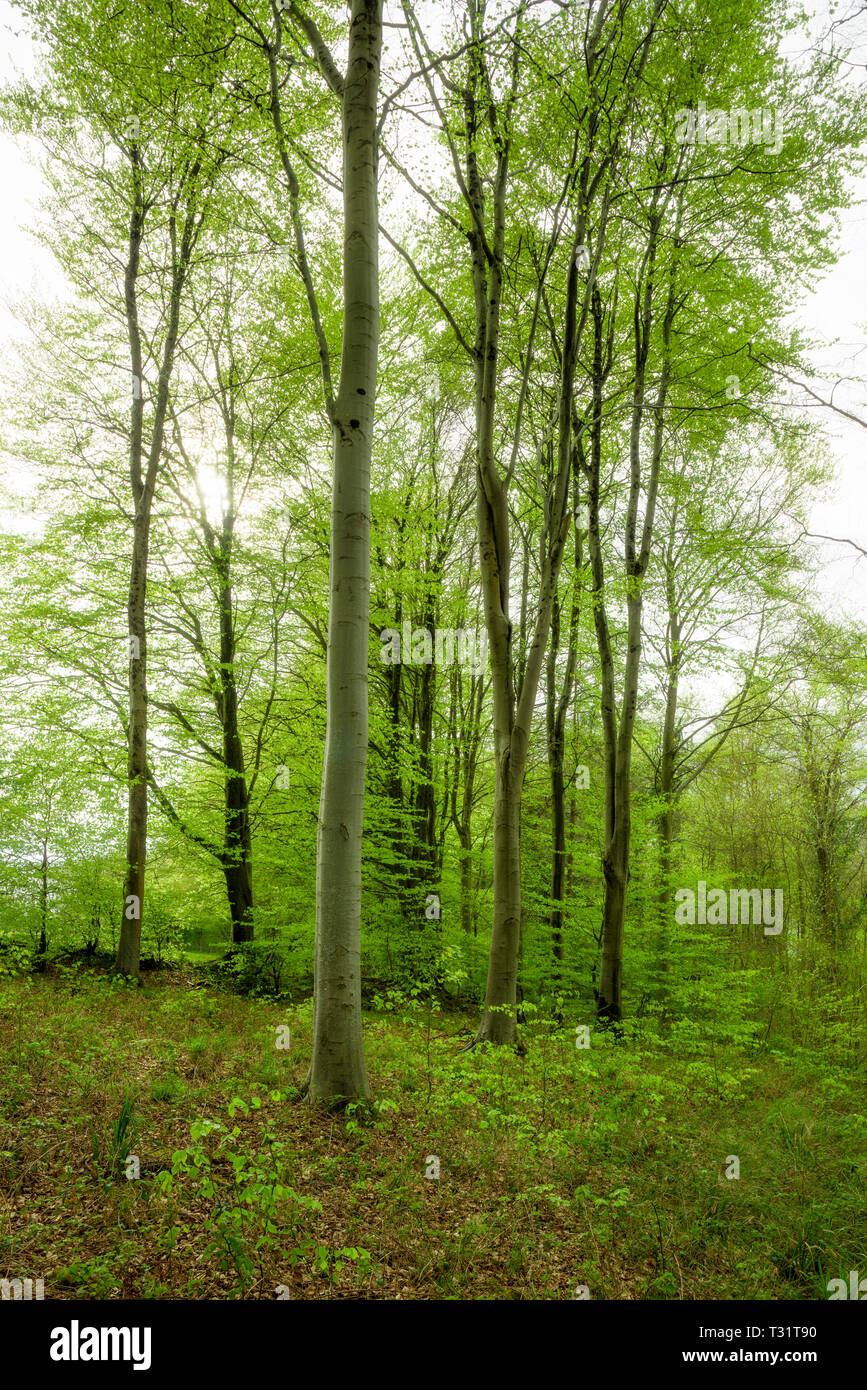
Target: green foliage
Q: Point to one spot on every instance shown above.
(254, 1208)
(111, 1144)
(256, 967)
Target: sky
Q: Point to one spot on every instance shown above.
(835, 312)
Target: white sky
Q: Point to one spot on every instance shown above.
(836, 312)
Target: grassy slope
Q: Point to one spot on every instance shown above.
(602, 1167)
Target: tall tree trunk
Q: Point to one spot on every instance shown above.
(466, 857)
(556, 749)
(338, 1068)
(615, 859)
(557, 709)
(666, 787)
(512, 719)
(129, 944)
(237, 845)
(513, 711)
(143, 482)
(465, 735)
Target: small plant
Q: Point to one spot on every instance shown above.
(94, 1278)
(123, 1132)
(252, 1206)
(331, 1262)
(110, 1149)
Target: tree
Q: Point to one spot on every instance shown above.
(337, 1070)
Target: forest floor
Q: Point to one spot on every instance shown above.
(567, 1168)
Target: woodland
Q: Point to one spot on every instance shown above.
(432, 768)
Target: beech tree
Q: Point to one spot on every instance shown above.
(477, 118)
(337, 1070)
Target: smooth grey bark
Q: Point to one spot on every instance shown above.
(127, 961)
(338, 1072)
(338, 1068)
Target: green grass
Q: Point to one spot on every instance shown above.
(603, 1167)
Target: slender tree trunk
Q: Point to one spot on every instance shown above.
(237, 844)
(557, 710)
(396, 736)
(558, 859)
(43, 908)
(512, 719)
(615, 859)
(499, 1021)
(395, 754)
(569, 885)
(665, 823)
(615, 867)
(129, 945)
(143, 482)
(425, 931)
(466, 741)
(665, 827)
(466, 884)
(238, 852)
(556, 749)
(338, 1068)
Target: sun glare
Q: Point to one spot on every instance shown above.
(212, 486)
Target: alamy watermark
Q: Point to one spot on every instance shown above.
(764, 126)
(857, 1288)
(76, 1343)
(740, 906)
(22, 1290)
(419, 647)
